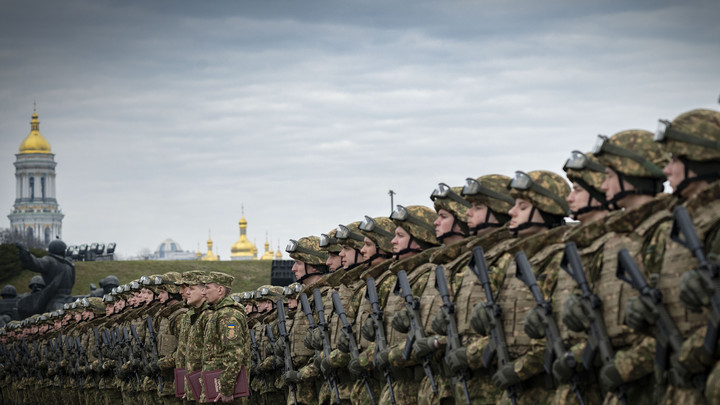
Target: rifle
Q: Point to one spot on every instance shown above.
(683, 232)
(380, 341)
(598, 338)
(347, 330)
(669, 337)
(71, 351)
(99, 356)
(324, 329)
(307, 309)
(554, 349)
(282, 332)
(256, 351)
(498, 345)
(81, 359)
(139, 345)
(37, 359)
(448, 308)
(154, 351)
(125, 345)
(402, 288)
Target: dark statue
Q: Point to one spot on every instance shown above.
(58, 275)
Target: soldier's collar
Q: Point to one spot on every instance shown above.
(632, 218)
(446, 253)
(410, 263)
(586, 233)
(376, 270)
(353, 274)
(532, 244)
(701, 199)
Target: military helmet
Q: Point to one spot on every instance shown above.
(57, 247)
(449, 199)
(9, 291)
(269, 293)
(36, 280)
(380, 230)
(693, 135)
(307, 250)
(545, 190)
(349, 235)
(417, 220)
(93, 304)
(329, 242)
(586, 170)
(292, 290)
(490, 190)
(169, 280)
(632, 153)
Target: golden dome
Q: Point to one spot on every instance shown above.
(243, 248)
(34, 142)
(268, 255)
(210, 256)
(278, 254)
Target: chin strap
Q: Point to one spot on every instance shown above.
(486, 224)
(300, 280)
(408, 249)
(588, 208)
(442, 237)
(528, 224)
(688, 180)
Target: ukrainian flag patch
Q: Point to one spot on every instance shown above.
(231, 326)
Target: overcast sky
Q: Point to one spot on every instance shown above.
(166, 116)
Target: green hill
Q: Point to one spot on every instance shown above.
(248, 274)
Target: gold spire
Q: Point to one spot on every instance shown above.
(278, 253)
(268, 255)
(243, 249)
(34, 142)
(210, 256)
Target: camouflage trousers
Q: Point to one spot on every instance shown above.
(360, 395)
(590, 393)
(405, 392)
(480, 387)
(425, 395)
(535, 394)
(640, 392)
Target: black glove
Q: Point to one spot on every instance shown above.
(343, 344)
(291, 377)
(326, 368)
(506, 376)
(368, 329)
(480, 319)
(308, 340)
(561, 371)
(439, 323)
(640, 313)
(424, 347)
(401, 321)
(317, 339)
(534, 325)
(354, 367)
(695, 293)
(574, 315)
(279, 347)
(610, 377)
(381, 359)
(457, 360)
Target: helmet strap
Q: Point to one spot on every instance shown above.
(408, 249)
(529, 223)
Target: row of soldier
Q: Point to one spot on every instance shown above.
(490, 297)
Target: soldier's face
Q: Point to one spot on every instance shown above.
(347, 256)
(292, 303)
(611, 185)
(445, 223)
(78, 317)
(401, 241)
(212, 293)
(163, 296)
(109, 310)
(333, 261)
(368, 250)
(264, 306)
(520, 214)
(476, 215)
(298, 269)
(195, 296)
(43, 328)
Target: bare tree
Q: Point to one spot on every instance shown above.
(10, 237)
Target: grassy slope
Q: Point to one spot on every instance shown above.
(248, 274)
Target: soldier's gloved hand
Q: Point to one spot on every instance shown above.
(368, 329)
(424, 347)
(610, 377)
(534, 325)
(343, 344)
(269, 349)
(317, 339)
(308, 340)
(381, 360)
(506, 376)
(354, 367)
(695, 293)
(457, 360)
(154, 368)
(440, 323)
(326, 368)
(316, 361)
(480, 319)
(279, 362)
(401, 321)
(574, 315)
(291, 377)
(279, 347)
(561, 371)
(639, 313)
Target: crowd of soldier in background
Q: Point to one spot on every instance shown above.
(490, 296)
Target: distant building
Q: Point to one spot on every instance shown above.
(171, 250)
(268, 255)
(36, 213)
(209, 256)
(243, 249)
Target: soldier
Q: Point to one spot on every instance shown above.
(633, 182)
(693, 173)
(194, 322)
(265, 298)
(226, 341)
(309, 267)
(587, 201)
(330, 244)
